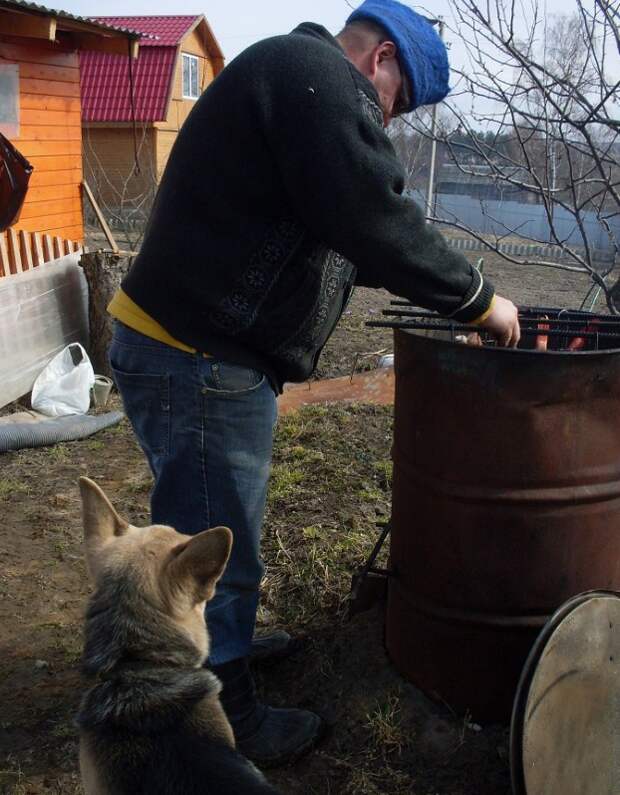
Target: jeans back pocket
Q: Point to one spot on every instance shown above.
(146, 399)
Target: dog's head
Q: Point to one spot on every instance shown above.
(170, 575)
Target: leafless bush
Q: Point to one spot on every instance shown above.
(125, 187)
(535, 113)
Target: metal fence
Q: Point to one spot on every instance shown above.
(528, 221)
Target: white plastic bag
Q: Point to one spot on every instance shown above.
(63, 387)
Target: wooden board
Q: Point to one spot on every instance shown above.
(69, 176)
(47, 88)
(48, 209)
(49, 118)
(53, 192)
(29, 132)
(47, 71)
(50, 148)
(56, 163)
(567, 720)
(47, 104)
(58, 225)
(38, 53)
(72, 233)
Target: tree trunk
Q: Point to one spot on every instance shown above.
(104, 273)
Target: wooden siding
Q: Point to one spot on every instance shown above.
(109, 163)
(49, 135)
(165, 141)
(180, 108)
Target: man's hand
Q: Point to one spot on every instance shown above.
(503, 323)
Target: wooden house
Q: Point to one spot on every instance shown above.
(126, 144)
(40, 113)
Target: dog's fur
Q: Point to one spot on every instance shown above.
(152, 723)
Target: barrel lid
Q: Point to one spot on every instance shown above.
(565, 729)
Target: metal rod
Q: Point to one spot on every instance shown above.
(460, 327)
(563, 323)
(523, 310)
(369, 565)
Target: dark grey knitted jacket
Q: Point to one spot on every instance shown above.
(282, 191)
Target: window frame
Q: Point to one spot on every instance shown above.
(192, 60)
(10, 117)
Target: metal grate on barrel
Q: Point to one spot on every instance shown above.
(542, 328)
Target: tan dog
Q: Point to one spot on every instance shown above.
(152, 722)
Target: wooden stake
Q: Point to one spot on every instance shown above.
(59, 248)
(37, 250)
(48, 248)
(106, 229)
(15, 260)
(4, 256)
(25, 250)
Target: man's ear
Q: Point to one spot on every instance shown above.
(381, 52)
(101, 522)
(197, 565)
(386, 50)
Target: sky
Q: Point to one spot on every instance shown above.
(239, 23)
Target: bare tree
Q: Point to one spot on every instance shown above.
(412, 142)
(125, 184)
(545, 94)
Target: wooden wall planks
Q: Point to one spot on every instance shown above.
(49, 137)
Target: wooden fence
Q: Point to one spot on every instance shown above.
(21, 251)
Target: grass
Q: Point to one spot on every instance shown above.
(11, 486)
(342, 488)
(58, 453)
(12, 782)
(385, 726)
(138, 484)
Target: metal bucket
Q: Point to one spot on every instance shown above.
(506, 502)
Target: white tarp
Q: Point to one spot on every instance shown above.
(41, 311)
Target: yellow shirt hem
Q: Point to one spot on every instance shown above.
(128, 312)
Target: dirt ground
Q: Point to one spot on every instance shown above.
(330, 486)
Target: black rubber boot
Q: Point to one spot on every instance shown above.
(271, 647)
(266, 735)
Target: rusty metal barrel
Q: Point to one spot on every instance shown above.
(506, 502)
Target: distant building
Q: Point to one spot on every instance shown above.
(172, 70)
(479, 183)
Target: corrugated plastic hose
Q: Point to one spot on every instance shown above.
(19, 435)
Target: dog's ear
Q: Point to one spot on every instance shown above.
(198, 564)
(101, 522)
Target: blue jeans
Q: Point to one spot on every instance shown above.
(206, 427)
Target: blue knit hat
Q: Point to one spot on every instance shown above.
(421, 52)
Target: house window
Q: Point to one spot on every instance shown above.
(190, 76)
(9, 100)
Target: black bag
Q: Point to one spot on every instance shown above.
(15, 173)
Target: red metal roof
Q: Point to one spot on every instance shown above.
(104, 78)
(104, 85)
(168, 29)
